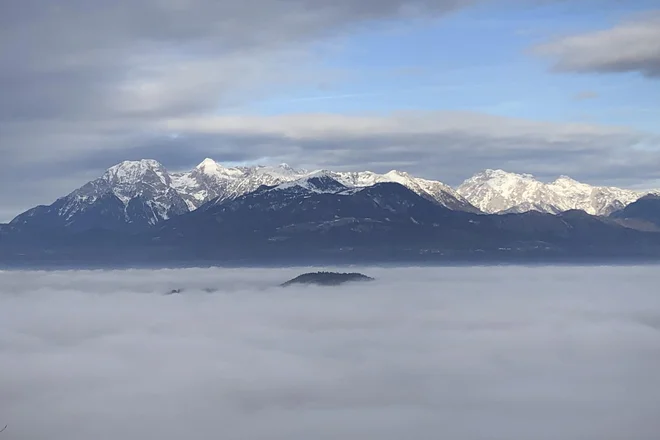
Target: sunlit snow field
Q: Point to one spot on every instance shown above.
(510, 353)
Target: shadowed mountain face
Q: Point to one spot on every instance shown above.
(327, 279)
(646, 209)
(384, 215)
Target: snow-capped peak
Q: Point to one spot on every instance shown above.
(566, 181)
(134, 171)
(206, 164)
(495, 191)
(134, 166)
(397, 175)
(494, 175)
(283, 172)
(129, 194)
(212, 169)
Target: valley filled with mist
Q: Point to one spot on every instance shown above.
(463, 353)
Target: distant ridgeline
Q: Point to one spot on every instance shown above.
(327, 279)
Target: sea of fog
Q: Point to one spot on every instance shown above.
(484, 353)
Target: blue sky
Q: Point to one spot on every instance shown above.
(478, 59)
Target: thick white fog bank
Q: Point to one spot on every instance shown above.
(506, 353)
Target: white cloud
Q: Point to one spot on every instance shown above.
(317, 126)
(443, 145)
(468, 353)
(631, 46)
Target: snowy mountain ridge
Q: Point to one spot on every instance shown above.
(138, 194)
(141, 193)
(498, 191)
(212, 182)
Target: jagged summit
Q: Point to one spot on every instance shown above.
(281, 171)
(211, 168)
(208, 166)
(132, 171)
(490, 174)
(141, 163)
(496, 172)
(134, 167)
(285, 166)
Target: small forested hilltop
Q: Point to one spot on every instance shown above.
(327, 278)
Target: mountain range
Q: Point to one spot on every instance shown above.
(137, 210)
(138, 194)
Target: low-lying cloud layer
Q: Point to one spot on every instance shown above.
(461, 353)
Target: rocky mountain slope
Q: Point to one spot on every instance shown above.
(130, 195)
(642, 213)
